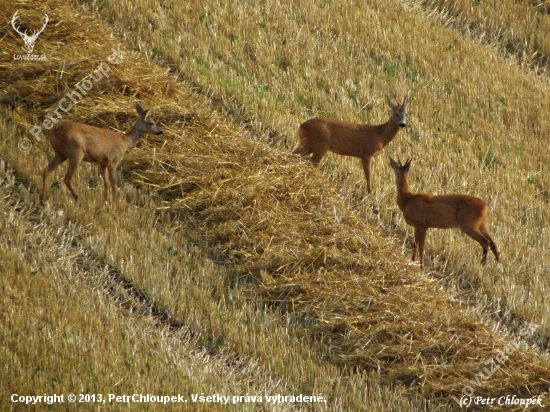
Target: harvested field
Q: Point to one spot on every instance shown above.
(250, 260)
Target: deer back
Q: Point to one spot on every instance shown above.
(95, 144)
(444, 211)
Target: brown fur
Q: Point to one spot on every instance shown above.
(423, 211)
(319, 135)
(79, 142)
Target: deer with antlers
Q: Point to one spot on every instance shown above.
(423, 211)
(319, 135)
(79, 142)
(29, 40)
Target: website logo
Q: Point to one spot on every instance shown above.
(29, 40)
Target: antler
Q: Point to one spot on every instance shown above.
(406, 99)
(13, 20)
(397, 100)
(401, 165)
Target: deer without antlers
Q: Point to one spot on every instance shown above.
(423, 211)
(29, 40)
(364, 141)
(79, 142)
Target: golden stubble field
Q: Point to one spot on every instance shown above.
(276, 276)
(477, 125)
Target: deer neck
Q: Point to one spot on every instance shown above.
(132, 137)
(403, 192)
(388, 131)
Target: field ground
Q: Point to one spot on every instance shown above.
(233, 267)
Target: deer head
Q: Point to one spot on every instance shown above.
(399, 110)
(29, 40)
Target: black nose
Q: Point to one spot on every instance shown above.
(403, 124)
(160, 132)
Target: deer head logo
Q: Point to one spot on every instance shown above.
(29, 40)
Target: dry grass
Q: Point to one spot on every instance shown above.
(261, 351)
(519, 28)
(481, 134)
(74, 290)
(69, 326)
(288, 236)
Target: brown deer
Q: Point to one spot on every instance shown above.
(81, 142)
(423, 211)
(364, 141)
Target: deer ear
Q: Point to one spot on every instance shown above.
(390, 103)
(406, 100)
(407, 164)
(142, 113)
(139, 110)
(393, 164)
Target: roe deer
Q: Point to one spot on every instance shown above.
(364, 141)
(423, 211)
(81, 142)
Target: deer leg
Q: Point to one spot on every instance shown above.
(366, 168)
(302, 150)
(415, 249)
(492, 244)
(111, 171)
(476, 234)
(105, 176)
(56, 161)
(318, 154)
(74, 162)
(419, 239)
